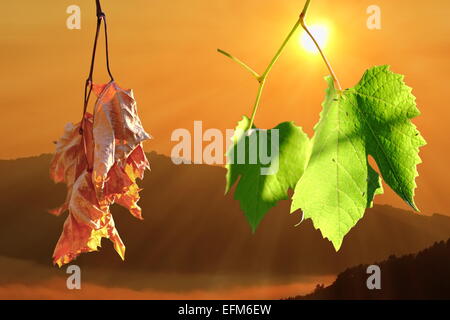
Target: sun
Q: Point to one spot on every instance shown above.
(320, 33)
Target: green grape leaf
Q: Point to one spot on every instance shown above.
(263, 183)
(373, 118)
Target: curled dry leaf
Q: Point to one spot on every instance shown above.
(100, 167)
(70, 159)
(87, 224)
(117, 131)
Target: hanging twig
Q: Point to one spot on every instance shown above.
(262, 78)
(88, 85)
(324, 57)
(89, 82)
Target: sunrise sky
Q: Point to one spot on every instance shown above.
(166, 51)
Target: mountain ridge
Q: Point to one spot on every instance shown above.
(191, 227)
(422, 275)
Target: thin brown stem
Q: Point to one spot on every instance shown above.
(88, 85)
(305, 27)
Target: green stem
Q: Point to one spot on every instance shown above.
(280, 51)
(258, 100)
(242, 64)
(262, 79)
(305, 9)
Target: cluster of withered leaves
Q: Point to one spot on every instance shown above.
(100, 167)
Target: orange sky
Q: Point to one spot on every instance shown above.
(165, 50)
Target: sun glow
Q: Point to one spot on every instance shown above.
(320, 33)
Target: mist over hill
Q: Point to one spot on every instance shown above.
(190, 227)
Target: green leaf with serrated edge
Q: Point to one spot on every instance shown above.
(372, 118)
(386, 106)
(258, 192)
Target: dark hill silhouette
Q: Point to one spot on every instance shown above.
(191, 227)
(424, 275)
